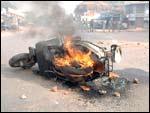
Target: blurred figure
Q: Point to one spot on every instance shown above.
(114, 25)
(82, 25)
(119, 23)
(107, 23)
(18, 24)
(104, 25)
(86, 25)
(110, 24)
(91, 25)
(3, 26)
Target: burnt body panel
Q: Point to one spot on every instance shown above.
(44, 55)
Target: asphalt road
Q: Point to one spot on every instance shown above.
(16, 82)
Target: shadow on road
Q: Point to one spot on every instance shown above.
(29, 76)
(132, 73)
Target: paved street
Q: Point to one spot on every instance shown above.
(16, 82)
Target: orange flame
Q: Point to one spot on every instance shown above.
(74, 55)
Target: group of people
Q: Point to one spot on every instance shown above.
(112, 25)
(108, 24)
(87, 25)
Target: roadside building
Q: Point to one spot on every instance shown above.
(88, 10)
(137, 13)
(11, 19)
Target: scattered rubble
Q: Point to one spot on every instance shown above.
(85, 88)
(136, 81)
(100, 42)
(54, 89)
(23, 96)
(113, 75)
(102, 92)
(69, 89)
(56, 102)
(138, 43)
(116, 94)
(79, 99)
(65, 92)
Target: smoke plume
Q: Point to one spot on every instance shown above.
(50, 15)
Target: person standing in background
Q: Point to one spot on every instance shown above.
(110, 24)
(119, 25)
(91, 25)
(104, 25)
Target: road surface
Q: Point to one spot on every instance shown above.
(17, 82)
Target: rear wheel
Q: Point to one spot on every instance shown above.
(21, 60)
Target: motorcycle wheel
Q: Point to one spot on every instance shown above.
(21, 60)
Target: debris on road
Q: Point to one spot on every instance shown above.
(102, 92)
(56, 102)
(136, 81)
(113, 75)
(79, 99)
(85, 88)
(54, 89)
(116, 94)
(65, 92)
(69, 89)
(100, 42)
(23, 96)
(138, 43)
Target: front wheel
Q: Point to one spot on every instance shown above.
(22, 60)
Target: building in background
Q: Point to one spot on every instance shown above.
(93, 9)
(88, 10)
(11, 18)
(137, 13)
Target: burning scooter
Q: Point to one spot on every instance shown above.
(75, 61)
